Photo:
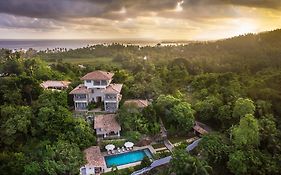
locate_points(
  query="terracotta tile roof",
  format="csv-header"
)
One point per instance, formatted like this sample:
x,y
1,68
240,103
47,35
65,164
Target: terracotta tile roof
x,y
113,88
80,89
98,75
107,123
53,83
137,102
94,157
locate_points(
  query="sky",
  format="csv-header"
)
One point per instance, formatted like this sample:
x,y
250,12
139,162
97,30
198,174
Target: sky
x,y
136,19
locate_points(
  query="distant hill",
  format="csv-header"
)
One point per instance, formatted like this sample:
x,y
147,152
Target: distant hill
x,y
252,52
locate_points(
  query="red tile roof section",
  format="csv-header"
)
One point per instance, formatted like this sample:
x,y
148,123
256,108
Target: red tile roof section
x,y
80,89
107,123
137,102
98,75
113,88
94,157
54,83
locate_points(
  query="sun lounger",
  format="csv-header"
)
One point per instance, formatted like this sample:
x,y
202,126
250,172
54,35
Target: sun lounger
x,y
123,149
119,150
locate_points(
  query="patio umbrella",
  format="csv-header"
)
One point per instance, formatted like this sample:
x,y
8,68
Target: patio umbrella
x,y
109,147
129,144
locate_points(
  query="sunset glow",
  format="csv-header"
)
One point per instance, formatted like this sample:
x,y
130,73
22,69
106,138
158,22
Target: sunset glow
x,y
140,19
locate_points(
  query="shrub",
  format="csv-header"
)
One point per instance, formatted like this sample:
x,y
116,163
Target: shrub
x,y
133,136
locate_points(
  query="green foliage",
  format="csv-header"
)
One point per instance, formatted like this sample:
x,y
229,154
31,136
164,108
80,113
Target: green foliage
x,y
246,134
164,103
114,170
269,133
243,107
183,163
91,106
208,108
133,136
117,143
144,120
132,121
15,124
177,114
237,162
218,78
145,162
53,98
252,162
215,148
183,115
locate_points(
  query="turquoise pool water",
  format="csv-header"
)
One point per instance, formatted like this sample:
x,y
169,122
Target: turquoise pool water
x,y
126,158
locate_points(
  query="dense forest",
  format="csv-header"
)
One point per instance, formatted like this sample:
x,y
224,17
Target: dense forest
x,y
232,85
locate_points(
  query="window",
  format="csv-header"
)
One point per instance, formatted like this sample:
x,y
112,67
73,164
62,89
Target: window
x,y
88,81
96,82
81,105
103,82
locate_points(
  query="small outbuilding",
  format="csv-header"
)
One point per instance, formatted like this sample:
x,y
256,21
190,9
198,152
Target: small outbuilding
x,y
139,103
55,85
107,126
95,161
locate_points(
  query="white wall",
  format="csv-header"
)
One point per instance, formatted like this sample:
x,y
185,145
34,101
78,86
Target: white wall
x,y
89,170
97,93
91,84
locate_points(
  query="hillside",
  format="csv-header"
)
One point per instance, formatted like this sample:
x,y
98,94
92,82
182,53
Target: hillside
x,y
251,52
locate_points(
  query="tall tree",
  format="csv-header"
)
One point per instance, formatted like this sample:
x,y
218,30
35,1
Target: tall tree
x,y
183,163
183,115
242,107
246,134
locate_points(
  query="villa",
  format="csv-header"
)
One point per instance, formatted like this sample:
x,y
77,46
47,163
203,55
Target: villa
x,y
55,85
95,161
137,103
97,88
107,126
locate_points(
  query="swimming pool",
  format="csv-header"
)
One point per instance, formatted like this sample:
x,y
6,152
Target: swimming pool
x,y
126,158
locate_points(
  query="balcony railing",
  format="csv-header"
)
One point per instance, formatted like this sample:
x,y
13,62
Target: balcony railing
x,y
80,97
110,98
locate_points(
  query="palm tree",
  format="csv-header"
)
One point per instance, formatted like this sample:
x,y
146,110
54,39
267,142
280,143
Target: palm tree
x,y
185,164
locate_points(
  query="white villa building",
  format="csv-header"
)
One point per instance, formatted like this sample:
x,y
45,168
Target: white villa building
x,y
97,88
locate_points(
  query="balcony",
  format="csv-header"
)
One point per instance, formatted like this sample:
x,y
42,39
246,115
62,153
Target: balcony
x,y
112,98
110,107
80,97
80,106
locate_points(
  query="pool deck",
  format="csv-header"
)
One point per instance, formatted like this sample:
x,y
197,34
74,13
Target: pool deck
x,y
151,149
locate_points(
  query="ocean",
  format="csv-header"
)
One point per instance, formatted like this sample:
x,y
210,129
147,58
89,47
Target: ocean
x,y
69,44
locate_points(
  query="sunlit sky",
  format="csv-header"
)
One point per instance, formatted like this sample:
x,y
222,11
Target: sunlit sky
x,y
136,19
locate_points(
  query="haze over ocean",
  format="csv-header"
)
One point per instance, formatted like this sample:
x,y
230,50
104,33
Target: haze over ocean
x,y
69,44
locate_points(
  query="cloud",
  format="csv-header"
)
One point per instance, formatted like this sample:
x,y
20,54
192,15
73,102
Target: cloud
x,y
17,22
129,18
108,9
